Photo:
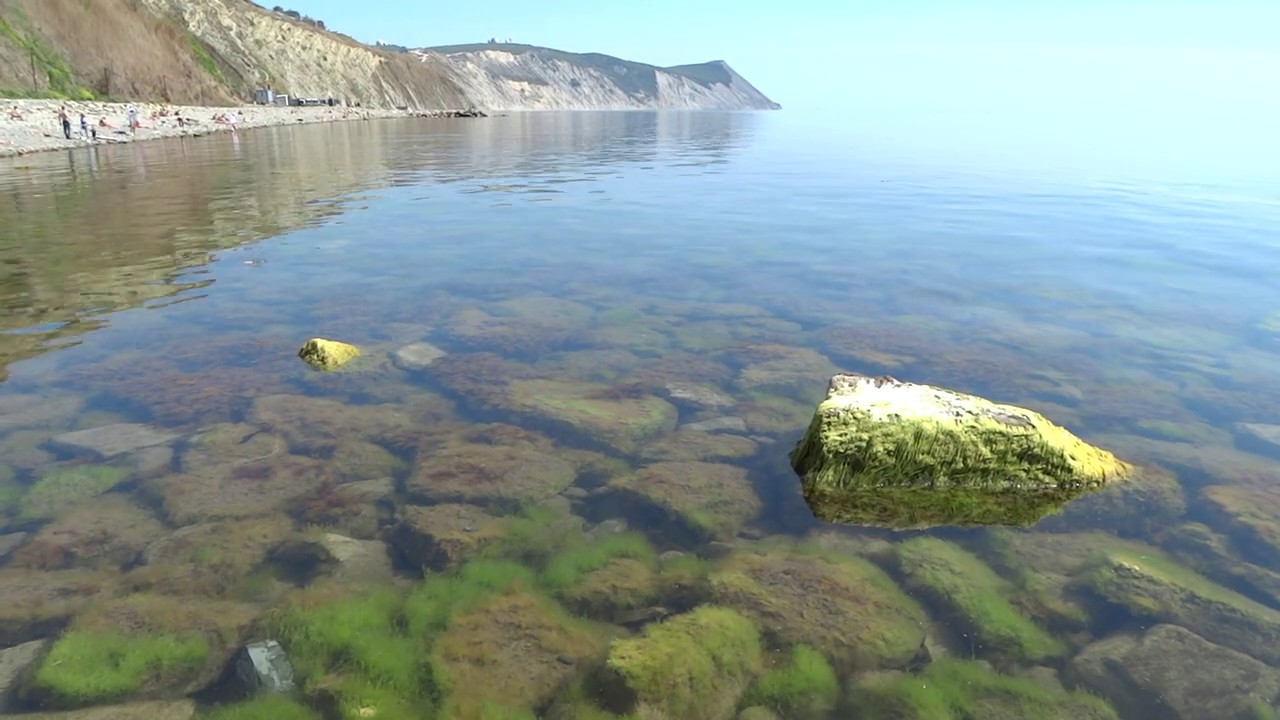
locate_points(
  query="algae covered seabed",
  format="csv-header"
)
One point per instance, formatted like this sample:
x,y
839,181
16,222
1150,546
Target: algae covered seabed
x,y
555,483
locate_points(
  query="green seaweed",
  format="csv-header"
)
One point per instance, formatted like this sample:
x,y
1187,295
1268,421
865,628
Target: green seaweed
x,y
67,486
971,591
266,706
567,568
358,640
86,668
433,603
965,690
806,687
691,666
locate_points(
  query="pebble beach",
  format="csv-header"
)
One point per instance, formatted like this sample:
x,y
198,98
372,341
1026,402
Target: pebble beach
x,y
35,126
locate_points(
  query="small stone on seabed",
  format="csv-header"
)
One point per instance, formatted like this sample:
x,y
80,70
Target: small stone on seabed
x,y
112,440
720,424
417,356
325,354
264,665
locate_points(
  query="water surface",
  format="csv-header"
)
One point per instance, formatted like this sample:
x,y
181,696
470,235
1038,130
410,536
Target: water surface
x,y
574,269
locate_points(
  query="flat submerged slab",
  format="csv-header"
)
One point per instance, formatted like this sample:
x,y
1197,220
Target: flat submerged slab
x,y
884,452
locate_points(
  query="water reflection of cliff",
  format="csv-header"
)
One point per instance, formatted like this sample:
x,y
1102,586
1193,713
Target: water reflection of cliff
x,y
96,230
583,142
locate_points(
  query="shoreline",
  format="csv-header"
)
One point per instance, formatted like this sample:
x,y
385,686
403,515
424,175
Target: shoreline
x,y
39,129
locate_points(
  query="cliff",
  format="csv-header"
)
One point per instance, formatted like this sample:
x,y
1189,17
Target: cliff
x,y
218,51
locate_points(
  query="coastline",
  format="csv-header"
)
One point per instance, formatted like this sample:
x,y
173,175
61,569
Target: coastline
x,y
40,130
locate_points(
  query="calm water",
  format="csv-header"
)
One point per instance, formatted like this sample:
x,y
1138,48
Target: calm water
x,y
575,271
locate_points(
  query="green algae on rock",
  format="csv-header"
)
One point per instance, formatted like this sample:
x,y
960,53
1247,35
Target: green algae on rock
x,y
105,532
883,452
972,593
805,687
845,607
91,668
62,487
442,536
1152,586
323,354
493,465
695,501
524,639
36,604
695,666
600,414
961,690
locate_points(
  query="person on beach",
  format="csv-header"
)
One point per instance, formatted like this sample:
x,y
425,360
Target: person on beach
x,y
132,116
65,120
84,126
14,113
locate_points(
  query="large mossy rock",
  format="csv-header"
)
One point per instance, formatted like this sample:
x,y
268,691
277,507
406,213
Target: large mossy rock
x,y
694,666
1170,672
845,607
883,452
974,595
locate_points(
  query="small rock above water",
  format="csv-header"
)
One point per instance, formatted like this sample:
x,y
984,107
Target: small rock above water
x,y
416,356
263,665
323,354
881,451
109,441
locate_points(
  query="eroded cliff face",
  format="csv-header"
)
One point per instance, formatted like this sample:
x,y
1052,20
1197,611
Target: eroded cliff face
x,y
218,51
514,77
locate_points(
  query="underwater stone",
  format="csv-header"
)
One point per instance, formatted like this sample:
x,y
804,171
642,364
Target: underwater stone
x,y
1153,586
106,532
694,666
65,486
14,662
156,710
881,451
35,604
263,665
11,541
416,356
720,424
599,414
112,440
845,607
1260,437
694,501
697,397
442,536
323,354
491,465
1170,672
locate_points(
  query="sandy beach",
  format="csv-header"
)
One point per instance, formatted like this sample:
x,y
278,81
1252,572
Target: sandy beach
x,y
35,125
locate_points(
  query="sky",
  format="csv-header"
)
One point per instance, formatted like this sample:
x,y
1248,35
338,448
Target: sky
x,y
1133,70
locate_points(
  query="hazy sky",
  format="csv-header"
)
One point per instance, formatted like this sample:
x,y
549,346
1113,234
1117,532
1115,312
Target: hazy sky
x,y
1107,72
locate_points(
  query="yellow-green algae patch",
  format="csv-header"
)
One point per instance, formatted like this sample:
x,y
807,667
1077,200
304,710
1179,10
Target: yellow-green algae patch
x,y
884,452
973,593
952,690
845,607
323,354
694,666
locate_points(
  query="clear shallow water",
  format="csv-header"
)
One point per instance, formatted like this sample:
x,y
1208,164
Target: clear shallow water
x,y
593,260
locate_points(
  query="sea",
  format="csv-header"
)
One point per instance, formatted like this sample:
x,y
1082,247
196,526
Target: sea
x,y
557,482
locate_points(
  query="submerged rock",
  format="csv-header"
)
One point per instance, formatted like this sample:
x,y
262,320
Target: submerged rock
x,y
416,356
219,559
718,425
1148,501
1249,512
14,662
695,666
1215,556
964,689
106,532
514,650
35,604
323,354
156,710
687,501
1170,672
1261,437
263,665
693,445
971,593
442,536
883,452
619,418
696,396
845,607
1152,586
63,487
499,465
112,440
